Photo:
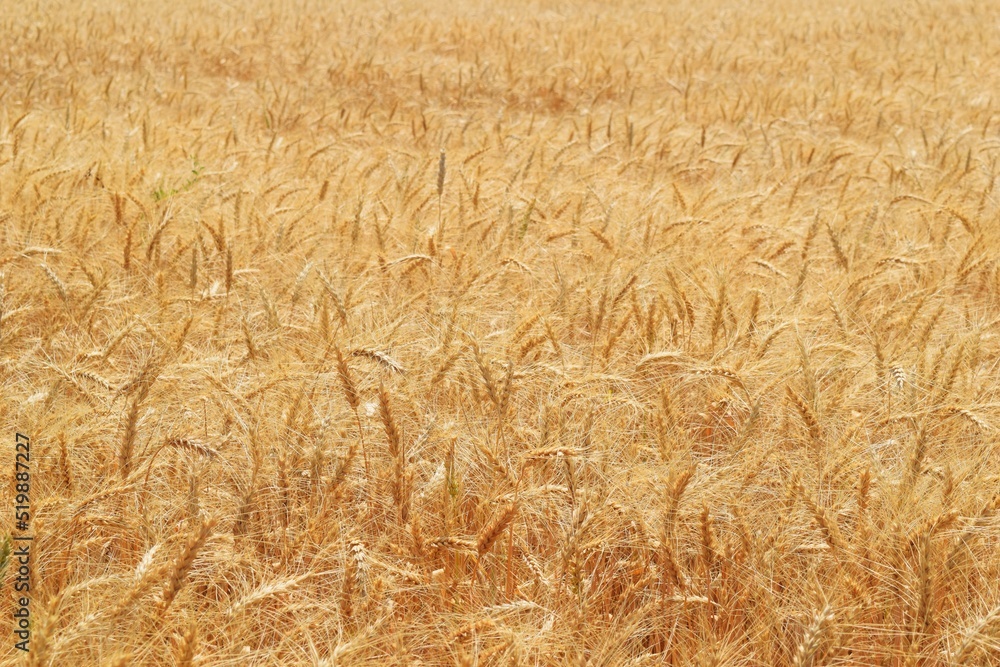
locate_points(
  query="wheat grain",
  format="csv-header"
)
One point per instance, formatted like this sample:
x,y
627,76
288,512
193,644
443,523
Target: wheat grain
x,y
182,563
237,243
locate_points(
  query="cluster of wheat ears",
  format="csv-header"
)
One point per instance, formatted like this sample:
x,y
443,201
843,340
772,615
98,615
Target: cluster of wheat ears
x,y
521,333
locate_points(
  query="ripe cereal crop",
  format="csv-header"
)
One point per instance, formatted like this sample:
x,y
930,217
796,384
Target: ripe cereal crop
x,y
502,333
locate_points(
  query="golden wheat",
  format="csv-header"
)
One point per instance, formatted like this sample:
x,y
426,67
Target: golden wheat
x,y
530,333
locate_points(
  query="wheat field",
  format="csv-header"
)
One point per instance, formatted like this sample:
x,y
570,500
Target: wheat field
x,y
519,333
